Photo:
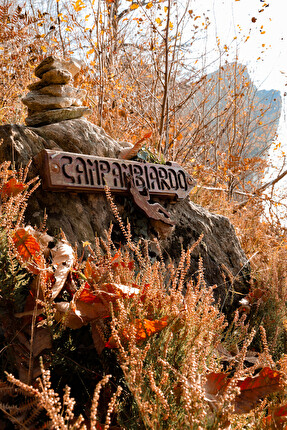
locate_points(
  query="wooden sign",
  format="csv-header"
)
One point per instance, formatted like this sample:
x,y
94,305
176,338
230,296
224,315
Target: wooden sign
x,y
65,171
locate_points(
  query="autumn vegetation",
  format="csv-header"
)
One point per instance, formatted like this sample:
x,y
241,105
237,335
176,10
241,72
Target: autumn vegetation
x,y
111,341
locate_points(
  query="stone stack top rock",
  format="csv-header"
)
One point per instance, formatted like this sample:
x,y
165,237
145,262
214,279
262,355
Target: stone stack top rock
x,y
53,99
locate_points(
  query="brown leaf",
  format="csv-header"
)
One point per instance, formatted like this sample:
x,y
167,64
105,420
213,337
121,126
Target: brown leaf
x,y
42,340
75,315
216,384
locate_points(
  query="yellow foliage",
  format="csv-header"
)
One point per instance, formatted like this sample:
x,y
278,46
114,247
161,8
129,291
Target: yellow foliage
x,y
134,6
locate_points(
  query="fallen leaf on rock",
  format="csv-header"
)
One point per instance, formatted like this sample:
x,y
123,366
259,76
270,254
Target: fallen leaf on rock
x,y
129,153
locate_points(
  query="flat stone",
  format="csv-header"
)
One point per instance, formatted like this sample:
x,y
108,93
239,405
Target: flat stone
x,y
53,76
38,102
35,86
52,62
73,66
58,90
56,76
56,115
63,91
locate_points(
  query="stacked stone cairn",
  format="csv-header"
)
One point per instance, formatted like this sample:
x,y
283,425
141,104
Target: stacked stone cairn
x,y
53,98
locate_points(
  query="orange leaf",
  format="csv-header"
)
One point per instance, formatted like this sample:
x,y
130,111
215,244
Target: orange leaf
x,y
147,328
144,328
12,188
28,249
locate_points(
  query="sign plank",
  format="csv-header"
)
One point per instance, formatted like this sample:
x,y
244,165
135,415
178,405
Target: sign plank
x,y
66,171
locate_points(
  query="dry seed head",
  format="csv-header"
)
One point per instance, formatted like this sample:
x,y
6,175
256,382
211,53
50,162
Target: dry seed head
x,y
95,402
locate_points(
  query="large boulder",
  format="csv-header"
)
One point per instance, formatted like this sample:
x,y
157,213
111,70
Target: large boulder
x,y
83,215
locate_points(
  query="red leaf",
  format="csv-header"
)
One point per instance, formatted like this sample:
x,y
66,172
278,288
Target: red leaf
x,y
276,419
252,389
87,295
131,265
116,261
28,249
12,188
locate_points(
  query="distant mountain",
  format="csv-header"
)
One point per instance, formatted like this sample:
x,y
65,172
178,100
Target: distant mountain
x,y
270,102
258,111
234,123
